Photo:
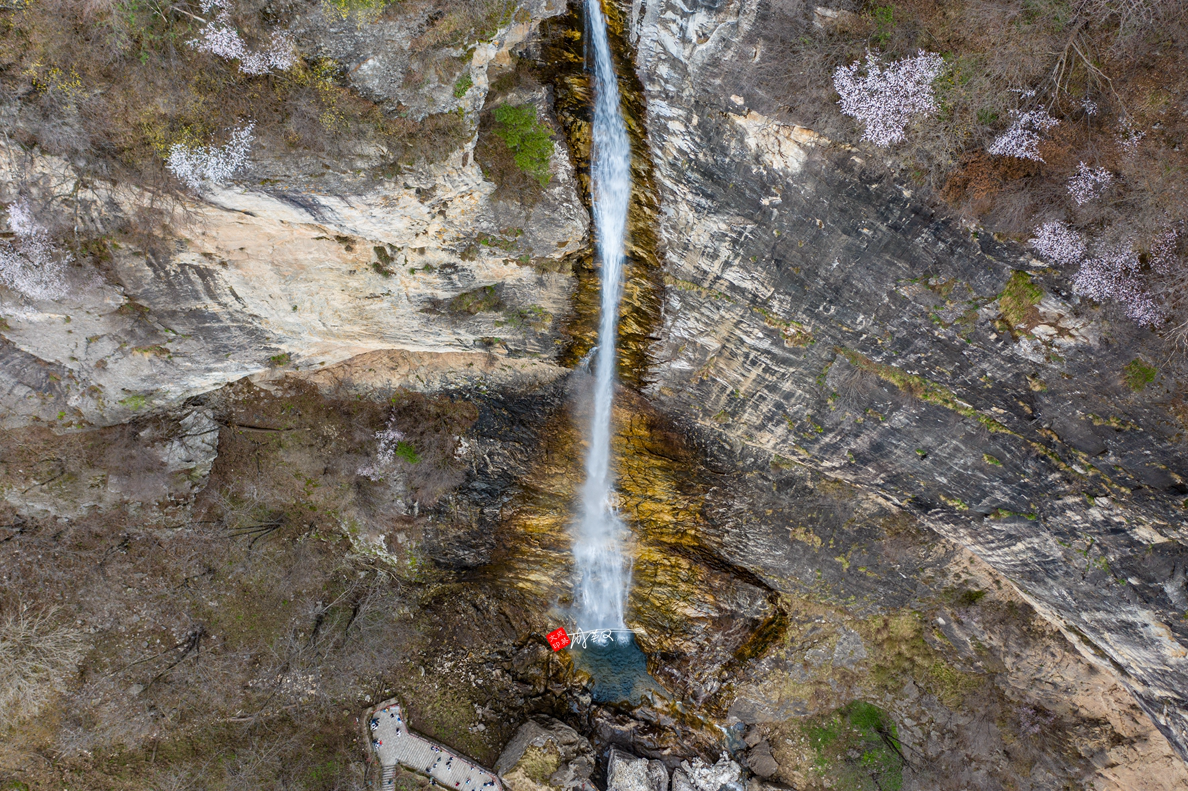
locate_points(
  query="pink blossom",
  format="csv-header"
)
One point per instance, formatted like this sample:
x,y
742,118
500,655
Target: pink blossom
x,y
1116,274
1088,183
888,97
1163,251
1129,136
1022,139
31,265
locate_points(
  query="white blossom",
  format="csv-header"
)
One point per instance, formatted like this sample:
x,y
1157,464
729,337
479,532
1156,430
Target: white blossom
x,y
1163,251
1023,137
278,57
1116,273
219,37
388,439
1058,244
1088,183
887,97
31,265
214,164
1129,136
1089,106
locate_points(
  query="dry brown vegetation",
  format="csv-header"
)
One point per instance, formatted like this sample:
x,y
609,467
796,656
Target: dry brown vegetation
x,y
1093,64
234,645
116,84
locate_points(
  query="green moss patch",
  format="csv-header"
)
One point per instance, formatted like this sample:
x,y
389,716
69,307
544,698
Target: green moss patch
x,y
1138,374
1018,300
923,389
479,300
539,763
857,748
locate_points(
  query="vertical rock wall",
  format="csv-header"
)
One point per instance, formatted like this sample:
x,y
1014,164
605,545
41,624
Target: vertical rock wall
x,y
821,314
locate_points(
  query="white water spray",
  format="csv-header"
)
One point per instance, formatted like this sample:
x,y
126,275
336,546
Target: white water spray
x,y
598,549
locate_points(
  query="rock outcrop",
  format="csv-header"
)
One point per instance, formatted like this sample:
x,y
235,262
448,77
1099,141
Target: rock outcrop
x,y
547,755
819,313
301,265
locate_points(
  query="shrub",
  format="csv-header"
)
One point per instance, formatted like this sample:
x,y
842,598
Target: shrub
x,y
887,97
213,164
220,38
31,265
530,141
464,84
390,445
36,660
1058,244
1088,183
480,300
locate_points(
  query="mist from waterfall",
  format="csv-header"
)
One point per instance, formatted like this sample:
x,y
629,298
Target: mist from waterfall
x,y
602,571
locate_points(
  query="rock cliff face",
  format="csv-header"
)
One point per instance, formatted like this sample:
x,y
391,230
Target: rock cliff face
x,y
816,312
309,264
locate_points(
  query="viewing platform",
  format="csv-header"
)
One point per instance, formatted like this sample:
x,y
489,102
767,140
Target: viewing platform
x,y
396,745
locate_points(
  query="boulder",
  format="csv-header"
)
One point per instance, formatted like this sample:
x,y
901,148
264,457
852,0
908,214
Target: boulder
x,y
760,760
546,755
725,775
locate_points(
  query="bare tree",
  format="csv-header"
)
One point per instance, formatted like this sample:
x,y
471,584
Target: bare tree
x,y
37,658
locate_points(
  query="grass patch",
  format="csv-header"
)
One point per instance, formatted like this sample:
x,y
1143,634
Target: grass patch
x,y
1018,300
484,299
406,451
1138,374
901,652
857,748
529,140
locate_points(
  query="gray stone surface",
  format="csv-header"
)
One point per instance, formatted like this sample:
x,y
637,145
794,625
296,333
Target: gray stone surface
x,y
819,313
395,743
626,772
575,758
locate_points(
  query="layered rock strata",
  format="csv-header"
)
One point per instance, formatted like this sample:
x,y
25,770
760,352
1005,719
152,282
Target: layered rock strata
x,y
818,312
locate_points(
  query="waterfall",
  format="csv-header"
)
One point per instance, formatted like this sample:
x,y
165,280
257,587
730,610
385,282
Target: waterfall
x,y
598,547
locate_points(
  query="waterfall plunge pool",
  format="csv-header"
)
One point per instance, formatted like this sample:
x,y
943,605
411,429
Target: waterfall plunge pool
x,y
619,669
